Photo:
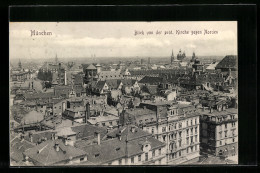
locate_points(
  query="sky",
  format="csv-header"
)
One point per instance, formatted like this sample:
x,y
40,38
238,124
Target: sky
x,y
118,39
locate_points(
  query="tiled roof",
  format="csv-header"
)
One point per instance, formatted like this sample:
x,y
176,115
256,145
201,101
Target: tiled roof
x,y
45,153
113,83
33,117
229,61
17,147
113,149
91,67
87,131
151,80
28,96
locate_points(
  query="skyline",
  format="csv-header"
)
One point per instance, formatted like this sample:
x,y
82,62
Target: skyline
x,y
117,39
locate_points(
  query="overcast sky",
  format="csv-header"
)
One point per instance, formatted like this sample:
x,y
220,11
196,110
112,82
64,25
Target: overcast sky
x,y
109,39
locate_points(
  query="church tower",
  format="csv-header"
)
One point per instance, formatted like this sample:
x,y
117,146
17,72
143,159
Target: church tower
x,y
172,57
20,64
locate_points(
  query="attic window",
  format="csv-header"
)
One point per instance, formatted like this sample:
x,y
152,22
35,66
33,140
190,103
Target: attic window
x,y
96,155
117,149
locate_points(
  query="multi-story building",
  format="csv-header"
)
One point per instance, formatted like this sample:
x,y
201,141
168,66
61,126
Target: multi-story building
x,y
177,125
219,132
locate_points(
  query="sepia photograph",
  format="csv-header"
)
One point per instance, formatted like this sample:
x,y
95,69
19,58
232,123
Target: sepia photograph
x,y
123,93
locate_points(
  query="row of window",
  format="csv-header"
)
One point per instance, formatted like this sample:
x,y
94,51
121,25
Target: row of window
x,y
233,140
140,157
110,123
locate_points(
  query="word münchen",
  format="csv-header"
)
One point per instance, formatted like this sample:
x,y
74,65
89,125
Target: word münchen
x,y
36,33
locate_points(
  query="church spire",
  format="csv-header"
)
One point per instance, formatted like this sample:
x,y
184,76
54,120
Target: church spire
x,y
20,64
56,59
172,57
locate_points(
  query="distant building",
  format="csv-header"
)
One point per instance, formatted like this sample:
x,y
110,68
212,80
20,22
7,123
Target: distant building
x,y
180,55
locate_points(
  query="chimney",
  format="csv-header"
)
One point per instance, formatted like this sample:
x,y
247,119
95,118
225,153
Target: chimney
x,y
211,110
30,137
56,146
87,113
53,136
66,140
98,137
133,129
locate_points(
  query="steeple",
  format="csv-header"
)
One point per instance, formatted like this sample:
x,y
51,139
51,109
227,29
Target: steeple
x,y
172,57
20,64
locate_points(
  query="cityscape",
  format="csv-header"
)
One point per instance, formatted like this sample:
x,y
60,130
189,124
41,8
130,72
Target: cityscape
x,y
175,109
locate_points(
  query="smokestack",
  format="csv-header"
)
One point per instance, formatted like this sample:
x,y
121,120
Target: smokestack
x,y
87,113
65,77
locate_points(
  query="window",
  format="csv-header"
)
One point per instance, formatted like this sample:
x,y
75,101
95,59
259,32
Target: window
x,y
191,139
180,153
110,163
160,151
146,156
139,158
132,159
220,142
196,130
187,123
103,124
96,155
163,129
180,134
187,140
81,159
180,143
152,130
191,122
187,149
187,132
196,147
196,138
225,125
191,148
195,121
220,134
233,139
120,161
153,153
191,131
225,133
110,123
180,125
175,126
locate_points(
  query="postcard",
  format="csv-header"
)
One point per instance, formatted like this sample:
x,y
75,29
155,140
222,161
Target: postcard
x,y
123,93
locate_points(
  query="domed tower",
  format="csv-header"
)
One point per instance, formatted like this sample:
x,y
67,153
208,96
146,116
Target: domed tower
x,y
91,72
